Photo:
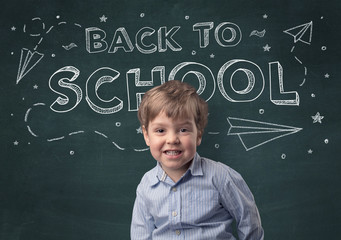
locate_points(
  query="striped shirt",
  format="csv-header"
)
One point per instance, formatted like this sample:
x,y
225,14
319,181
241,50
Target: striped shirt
x,y
201,205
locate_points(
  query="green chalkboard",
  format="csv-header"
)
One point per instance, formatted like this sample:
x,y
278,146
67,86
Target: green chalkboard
x,y
74,72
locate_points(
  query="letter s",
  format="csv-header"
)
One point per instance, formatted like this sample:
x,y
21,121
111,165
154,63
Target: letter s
x,y
70,94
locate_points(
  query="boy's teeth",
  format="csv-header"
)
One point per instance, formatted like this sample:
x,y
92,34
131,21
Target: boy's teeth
x,y
172,152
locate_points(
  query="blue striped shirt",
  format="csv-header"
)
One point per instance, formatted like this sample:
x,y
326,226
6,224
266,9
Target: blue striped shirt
x,y
201,205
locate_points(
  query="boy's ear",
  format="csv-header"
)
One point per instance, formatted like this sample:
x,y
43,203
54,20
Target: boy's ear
x,y
145,135
199,138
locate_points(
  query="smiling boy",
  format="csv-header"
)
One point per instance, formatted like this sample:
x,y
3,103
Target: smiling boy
x,y
187,196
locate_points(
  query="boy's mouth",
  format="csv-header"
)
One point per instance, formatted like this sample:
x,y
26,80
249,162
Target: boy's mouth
x,y
172,152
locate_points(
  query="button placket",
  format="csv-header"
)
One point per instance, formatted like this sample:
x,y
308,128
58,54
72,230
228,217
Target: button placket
x,y
175,208
174,213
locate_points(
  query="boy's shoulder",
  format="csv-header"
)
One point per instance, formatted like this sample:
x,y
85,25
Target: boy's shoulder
x,y
218,169
208,163
150,177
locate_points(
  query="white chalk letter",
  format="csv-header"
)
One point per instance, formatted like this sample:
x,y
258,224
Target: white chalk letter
x,y
140,45
280,98
195,74
166,39
234,33
71,94
204,32
134,83
234,73
121,40
102,76
94,38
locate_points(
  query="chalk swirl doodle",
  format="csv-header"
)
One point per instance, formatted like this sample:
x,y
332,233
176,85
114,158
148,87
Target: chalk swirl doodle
x,y
257,33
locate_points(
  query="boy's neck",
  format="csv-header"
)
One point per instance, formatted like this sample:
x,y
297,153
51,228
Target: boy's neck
x,y
176,175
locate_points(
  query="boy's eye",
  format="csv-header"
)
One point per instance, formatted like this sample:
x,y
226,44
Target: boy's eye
x,y
160,130
183,130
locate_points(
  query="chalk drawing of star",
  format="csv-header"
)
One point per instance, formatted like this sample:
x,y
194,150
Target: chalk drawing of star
x,y
139,130
16,143
265,16
13,28
103,18
212,55
317,118
326,75
35,86
266,48
310,151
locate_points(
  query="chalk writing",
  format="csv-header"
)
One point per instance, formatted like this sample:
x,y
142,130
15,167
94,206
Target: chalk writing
x,y
149,40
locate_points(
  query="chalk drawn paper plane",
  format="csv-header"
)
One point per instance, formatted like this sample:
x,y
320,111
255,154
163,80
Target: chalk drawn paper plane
x,y
28,60
253,134
302,33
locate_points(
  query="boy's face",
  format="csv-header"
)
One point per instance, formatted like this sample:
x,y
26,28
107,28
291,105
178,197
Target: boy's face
x,y
172,142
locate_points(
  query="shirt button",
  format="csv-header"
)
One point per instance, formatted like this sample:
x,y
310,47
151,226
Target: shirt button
x,y
174,213
174,189
178,232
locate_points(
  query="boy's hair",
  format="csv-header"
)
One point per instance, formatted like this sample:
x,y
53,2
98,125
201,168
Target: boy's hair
x,y
177,100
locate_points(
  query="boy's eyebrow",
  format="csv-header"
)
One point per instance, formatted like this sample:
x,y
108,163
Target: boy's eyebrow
x,y
187,122
161,123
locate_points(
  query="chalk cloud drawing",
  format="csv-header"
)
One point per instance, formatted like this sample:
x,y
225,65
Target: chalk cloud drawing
x,y
253,134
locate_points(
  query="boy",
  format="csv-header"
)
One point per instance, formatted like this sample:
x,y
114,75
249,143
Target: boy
x,y
187,196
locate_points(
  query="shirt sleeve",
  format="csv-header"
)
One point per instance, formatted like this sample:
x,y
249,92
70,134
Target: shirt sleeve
x,y
142,224
239,202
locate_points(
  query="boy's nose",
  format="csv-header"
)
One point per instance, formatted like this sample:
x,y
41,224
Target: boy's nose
x,y
172,138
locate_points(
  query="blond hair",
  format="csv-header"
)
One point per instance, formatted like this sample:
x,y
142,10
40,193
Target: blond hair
x,y
177,100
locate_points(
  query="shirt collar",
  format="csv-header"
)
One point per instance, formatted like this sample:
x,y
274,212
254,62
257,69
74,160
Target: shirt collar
x,y
194,169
